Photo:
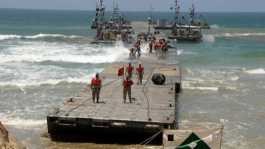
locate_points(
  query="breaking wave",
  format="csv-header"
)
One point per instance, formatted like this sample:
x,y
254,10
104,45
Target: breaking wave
x,y
211,80
180,52
23,75
35,63
208,38
58,52
8,37
39,36
24,83
256,71
96,59
23,123
209,85
239,34
214,26
201,88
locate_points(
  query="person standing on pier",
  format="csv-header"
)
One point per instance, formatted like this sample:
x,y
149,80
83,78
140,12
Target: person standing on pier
x,y
151,44
151,47
140,74
129,70
127,89
138,48
95,87
164,47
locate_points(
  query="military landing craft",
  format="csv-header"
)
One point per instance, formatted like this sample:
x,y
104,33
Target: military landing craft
x,y
113,29
181,28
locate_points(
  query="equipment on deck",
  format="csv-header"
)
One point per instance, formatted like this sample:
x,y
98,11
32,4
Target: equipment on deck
x,y
158,79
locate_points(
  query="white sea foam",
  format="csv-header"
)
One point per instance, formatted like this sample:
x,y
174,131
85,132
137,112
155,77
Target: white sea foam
x,y
21,83
43,51
18,122
17,71
258,71
145,48
23,123
211,80
25,74
208,38
180,52
201,88
51,35
234,78
192,85
185,52
214,26
239,34
38,36
7,37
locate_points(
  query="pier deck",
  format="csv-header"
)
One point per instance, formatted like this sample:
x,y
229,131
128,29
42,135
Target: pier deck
x,y
153,107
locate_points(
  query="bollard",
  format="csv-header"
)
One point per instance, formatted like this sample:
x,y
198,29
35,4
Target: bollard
x,y
177,88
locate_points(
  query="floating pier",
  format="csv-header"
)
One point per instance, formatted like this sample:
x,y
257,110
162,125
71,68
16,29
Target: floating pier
x,y
154,107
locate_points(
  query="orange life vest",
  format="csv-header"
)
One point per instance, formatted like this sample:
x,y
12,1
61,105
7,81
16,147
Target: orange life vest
x,y
129,69
96,82
127,83
140,70
158,45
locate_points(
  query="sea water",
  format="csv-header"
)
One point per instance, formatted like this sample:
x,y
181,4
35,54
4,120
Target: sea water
x,y
45,57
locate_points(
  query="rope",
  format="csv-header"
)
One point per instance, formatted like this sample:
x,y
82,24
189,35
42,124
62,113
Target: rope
x,y
148,140
189,145
145,94
74,108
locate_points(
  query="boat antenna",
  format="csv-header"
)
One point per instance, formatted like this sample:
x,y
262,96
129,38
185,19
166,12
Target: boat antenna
x,y
99,19
151,12
97,12
192,12
116,12
100,11
177,12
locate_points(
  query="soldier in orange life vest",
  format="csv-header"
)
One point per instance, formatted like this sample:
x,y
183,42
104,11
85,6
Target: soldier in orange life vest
x,y
95,87
129,70
164,47
127,89
140,73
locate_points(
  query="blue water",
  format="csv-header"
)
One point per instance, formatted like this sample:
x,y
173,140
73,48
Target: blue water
x,y
43,21
45,56
76,22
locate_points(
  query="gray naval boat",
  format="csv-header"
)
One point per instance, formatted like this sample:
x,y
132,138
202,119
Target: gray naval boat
x,y
182,28
110,30
186,33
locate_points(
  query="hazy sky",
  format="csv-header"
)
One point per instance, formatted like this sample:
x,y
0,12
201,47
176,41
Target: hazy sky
x,y
135,5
